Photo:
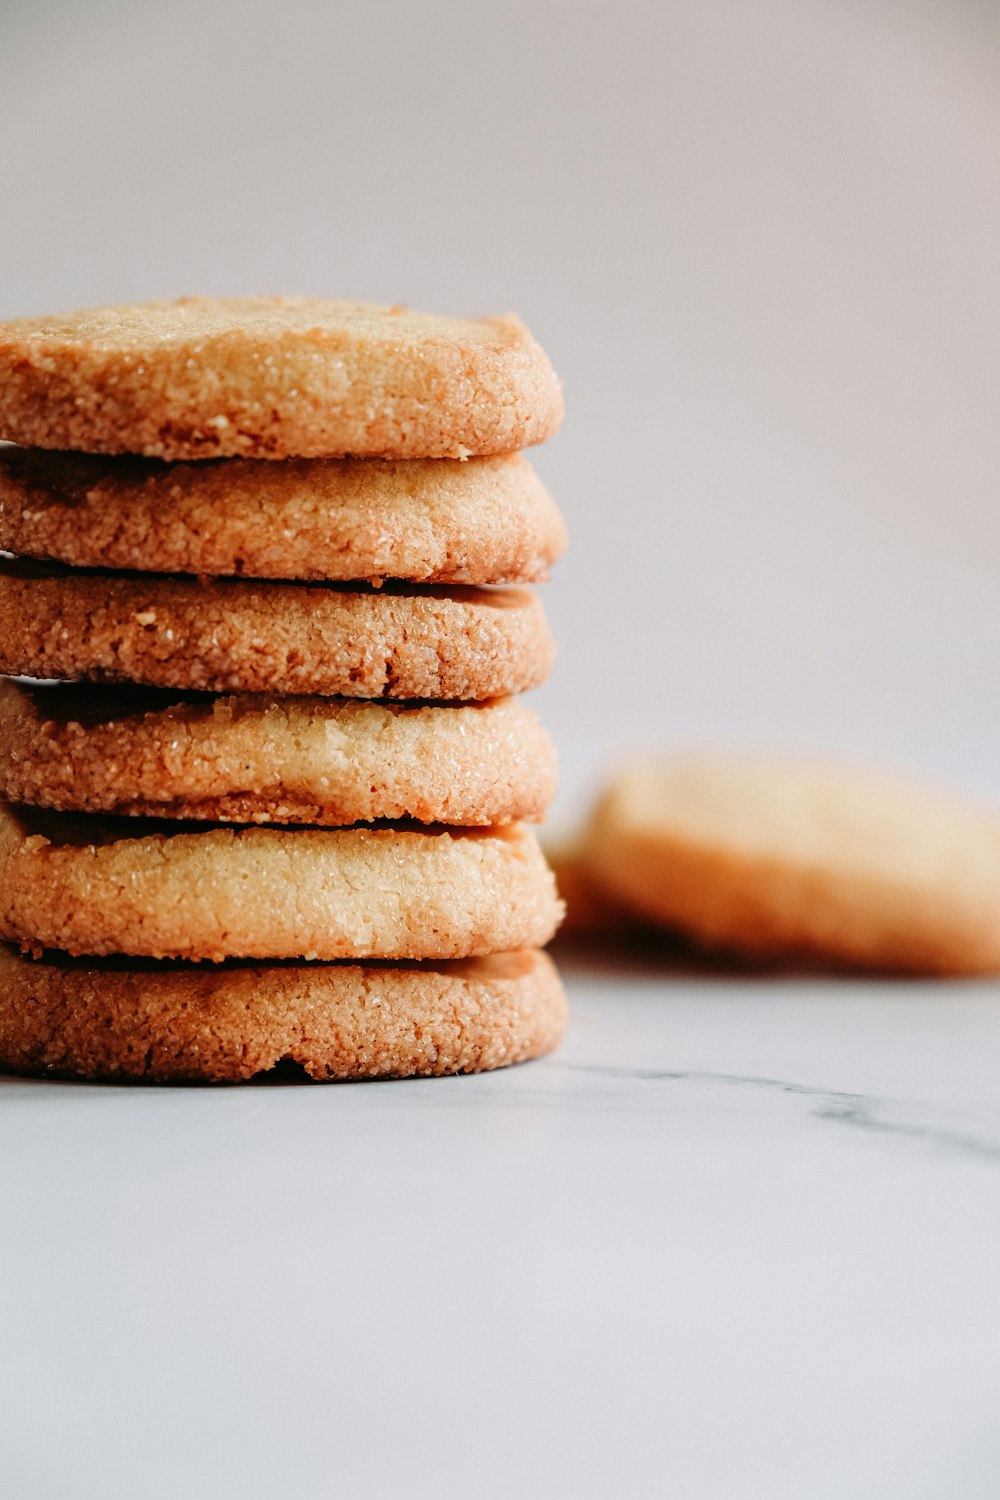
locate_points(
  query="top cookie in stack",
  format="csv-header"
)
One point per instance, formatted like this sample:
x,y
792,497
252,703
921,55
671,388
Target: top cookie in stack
x,y
335,551
275,377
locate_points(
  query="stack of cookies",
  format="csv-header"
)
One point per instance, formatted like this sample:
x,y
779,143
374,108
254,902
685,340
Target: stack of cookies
x,y
268,804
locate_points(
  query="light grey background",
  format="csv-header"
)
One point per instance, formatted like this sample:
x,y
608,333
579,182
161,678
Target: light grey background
x,y
760,241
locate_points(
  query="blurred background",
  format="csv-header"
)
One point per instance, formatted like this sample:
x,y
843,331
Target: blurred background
x,y
759,239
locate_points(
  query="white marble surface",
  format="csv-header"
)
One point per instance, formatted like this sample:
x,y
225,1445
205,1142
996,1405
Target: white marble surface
x,y
737,1239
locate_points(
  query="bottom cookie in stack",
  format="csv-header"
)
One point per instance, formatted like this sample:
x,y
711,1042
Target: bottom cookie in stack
x,y
163,1022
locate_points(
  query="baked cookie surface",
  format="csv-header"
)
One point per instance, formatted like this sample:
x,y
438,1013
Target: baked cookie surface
x,y
231,635
85,884
163,1023
271,759
274,377
779,858
590,911
489,520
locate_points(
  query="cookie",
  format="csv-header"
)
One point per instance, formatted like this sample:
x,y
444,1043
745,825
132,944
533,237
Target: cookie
x,y
274,377
173,1023
590,911
86,884
270,759
233,636
490,520
774,858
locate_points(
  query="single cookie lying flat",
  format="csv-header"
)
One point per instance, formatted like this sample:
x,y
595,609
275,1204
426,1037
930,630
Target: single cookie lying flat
x,y
94,885
228,635
272,760
171,1023
274,377
490,520
774,858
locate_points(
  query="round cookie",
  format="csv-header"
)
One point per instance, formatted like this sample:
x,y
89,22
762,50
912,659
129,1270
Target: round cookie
x,y
173,1023
274,377
230,635
490,520
272,759
774,858
86,884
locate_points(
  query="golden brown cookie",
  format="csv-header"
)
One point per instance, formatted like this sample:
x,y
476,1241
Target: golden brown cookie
x,y
174,1023
490,520
230,635
274,377
591,913
272,759
779,857
102,885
